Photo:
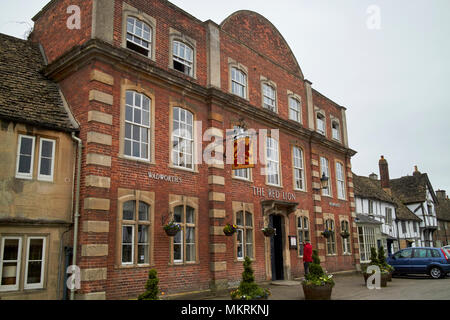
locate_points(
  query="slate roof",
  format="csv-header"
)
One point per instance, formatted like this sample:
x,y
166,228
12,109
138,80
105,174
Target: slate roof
x,y
411,189
26,96
443,209
368,188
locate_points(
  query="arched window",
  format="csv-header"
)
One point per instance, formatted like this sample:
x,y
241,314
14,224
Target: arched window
x,y
320,121
244,235
137,126
183,138
299,173
335,130
269,97
303,233
135,233
331,240
238,82
295,109
345,241
139,36
183,57
184,240
273,162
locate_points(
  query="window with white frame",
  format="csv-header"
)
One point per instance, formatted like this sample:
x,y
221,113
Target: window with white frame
x,y
238,82
135,233
269,97
139,36
137,126
183,138
295,109
340,181
345,227
299,172
335,131
183,58
241,173
273,162
367,240
320,123
302,233
25,157
325,169
388,216
184,240
331,240
46,159
35,263
370,206
11,252
244,235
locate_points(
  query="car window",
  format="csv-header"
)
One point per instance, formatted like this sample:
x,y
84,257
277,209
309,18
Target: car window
x,y
404,254
435,253
421,253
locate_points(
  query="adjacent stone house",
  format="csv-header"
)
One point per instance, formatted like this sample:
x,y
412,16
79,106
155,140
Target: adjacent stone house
x,y
36,176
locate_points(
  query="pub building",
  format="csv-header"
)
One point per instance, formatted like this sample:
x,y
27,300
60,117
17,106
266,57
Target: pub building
x,y
145,81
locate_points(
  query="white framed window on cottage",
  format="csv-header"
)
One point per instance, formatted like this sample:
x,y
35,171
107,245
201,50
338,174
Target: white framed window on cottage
x,y
35,263
137,126
10,264
25,157
139,36
46,159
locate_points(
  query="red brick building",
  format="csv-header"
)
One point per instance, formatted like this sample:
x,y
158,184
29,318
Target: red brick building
x,y
137,70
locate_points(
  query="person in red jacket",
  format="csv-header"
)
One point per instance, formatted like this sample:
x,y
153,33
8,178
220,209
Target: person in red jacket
x,y
307,256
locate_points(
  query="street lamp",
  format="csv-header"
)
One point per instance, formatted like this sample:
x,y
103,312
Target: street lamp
x,y
324,181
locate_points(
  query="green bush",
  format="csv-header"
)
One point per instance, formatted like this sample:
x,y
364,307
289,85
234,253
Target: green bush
x,y
248,289
152,290
316,275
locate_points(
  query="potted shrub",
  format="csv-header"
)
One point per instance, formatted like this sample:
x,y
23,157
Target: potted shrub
x,y
383,263
268,231
229,229
152,290
317,285
327,233
248,289
172,228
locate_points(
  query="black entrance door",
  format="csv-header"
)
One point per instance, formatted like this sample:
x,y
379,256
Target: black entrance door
x,y
276,248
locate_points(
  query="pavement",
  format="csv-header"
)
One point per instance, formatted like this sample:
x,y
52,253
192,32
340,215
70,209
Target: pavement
x,y
352,287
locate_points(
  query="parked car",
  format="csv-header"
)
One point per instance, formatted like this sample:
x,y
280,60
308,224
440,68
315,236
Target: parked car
x,y
421,260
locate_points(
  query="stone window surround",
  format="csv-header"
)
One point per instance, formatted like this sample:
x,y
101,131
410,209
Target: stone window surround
x,y
128,10
302,214
349,239
270,83
292,95
321,112
333,119
330,183
128,85
23,258
234,64
328,217
246,208
305,185
280,167
343,177
175,35
147,197
193,202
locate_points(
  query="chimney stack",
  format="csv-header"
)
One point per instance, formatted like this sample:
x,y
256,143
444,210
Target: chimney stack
x,y
384,175
416,172
440,194
373,176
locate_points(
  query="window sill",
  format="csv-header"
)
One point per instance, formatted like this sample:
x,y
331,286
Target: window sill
x,y
171,166
274,186
242,179
149,162
24,177
183,264
134,266
139,54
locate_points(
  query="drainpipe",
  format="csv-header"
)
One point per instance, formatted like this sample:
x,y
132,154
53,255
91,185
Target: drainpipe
x,y
77,207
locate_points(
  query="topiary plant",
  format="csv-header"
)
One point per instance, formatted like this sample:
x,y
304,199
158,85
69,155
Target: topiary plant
x,y
152,290
373,256
316,275
248,289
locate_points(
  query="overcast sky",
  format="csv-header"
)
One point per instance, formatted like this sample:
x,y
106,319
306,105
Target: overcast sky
x,y
394,81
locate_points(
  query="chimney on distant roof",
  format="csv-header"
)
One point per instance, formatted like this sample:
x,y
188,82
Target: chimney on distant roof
x,y
373,176
416,172
384,175
440,194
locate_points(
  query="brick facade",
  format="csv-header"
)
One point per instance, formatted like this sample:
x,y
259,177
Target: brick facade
x,y
93,75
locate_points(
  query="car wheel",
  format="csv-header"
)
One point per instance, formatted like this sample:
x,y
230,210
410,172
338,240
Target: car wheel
x,y
435,272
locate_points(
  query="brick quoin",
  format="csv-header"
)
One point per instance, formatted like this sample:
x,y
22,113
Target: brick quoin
x,y
245,38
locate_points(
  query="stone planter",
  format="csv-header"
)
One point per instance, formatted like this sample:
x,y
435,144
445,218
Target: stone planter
x,y
313,292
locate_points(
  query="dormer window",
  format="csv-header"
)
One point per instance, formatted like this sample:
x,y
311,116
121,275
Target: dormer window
x,y
335,130
269,98
183,58
139,36
320,120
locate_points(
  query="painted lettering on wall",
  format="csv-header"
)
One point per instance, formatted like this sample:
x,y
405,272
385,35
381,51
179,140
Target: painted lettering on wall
x,y
272,194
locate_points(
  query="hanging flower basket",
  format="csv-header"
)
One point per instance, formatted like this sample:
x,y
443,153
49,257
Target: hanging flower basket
x,y
327,233
345,234
268,231
229,229
172,228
